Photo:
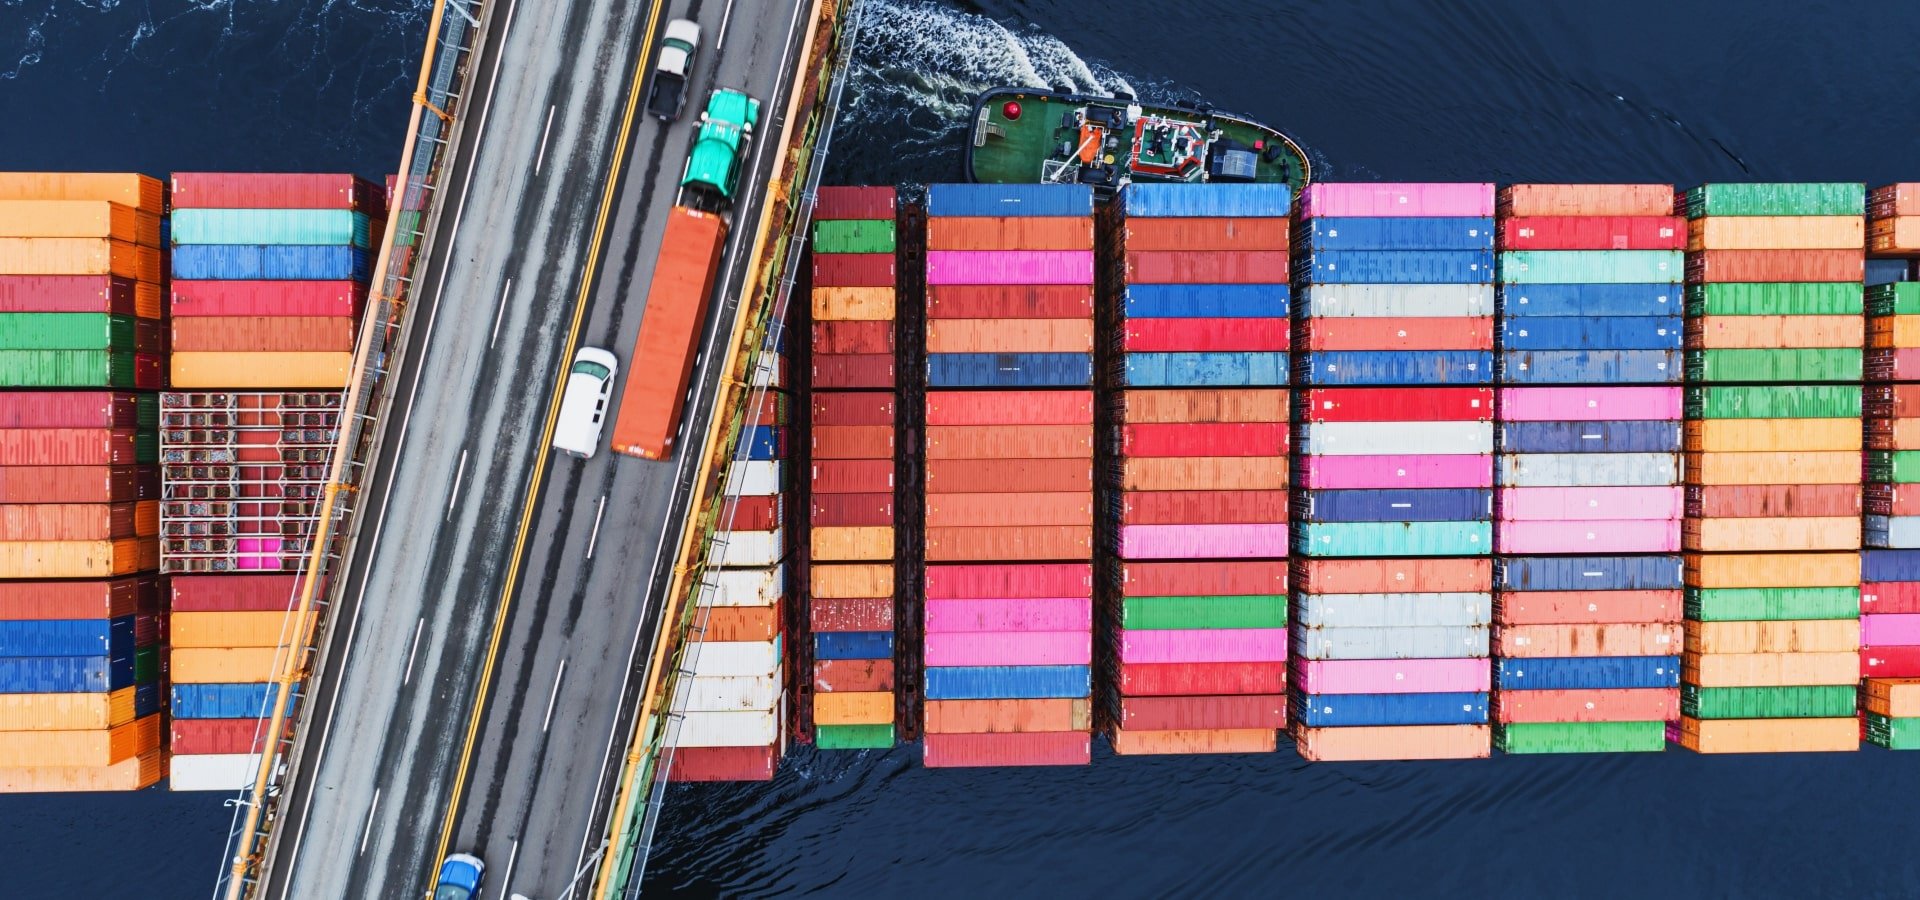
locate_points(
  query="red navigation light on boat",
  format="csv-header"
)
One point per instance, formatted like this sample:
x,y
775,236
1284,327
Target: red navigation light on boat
x,y
1011,110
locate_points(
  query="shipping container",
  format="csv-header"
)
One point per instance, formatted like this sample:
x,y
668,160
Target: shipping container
x,y
1205,301
1394,471
1776,265
1770,735
1643,436
852,337
840,202
1194,541
1776,233
1007,716
1454,333
1609,639
1587,672
1392,199
1587,705
79,219
648,417
1593,299
853,235
1053,508
1215,611
1351,710
1140,200
1373,438
1222,233
1146,714
1591,504
1586,200
79,293
1398,267
235,370
1009,336
853,675
1374,576
1007,682
1592,266
324,299
1394,233
1190,679
281,262
1438,642
1775,199
1011,301
1007,370
1394,610
275,190
1000,267
1390,301
1770,332
1203,507
142,192
1012,233
1052,748
270,227
944,200
852,303
1590,232
1020,648
853,270
1000,580
1597,333
276,334
1209,267
1354,744
1432,367
1206,335
1022,542
1393,676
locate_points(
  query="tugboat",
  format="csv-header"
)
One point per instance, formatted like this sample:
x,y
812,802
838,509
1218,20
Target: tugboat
x,y
1024,136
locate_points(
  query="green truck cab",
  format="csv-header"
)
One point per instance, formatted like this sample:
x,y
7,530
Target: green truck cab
x,y
720,144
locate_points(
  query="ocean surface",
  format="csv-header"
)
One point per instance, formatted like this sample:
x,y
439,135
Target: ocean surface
x,y
1482,90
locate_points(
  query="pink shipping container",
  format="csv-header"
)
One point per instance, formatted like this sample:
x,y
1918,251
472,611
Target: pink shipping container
x,y
267,298
1012,648
1591,503
1393,676
1399,471
1203,541
1010,267
273,190
1586,538
1034,748
1388,199
1204,645
1009,408
947,582
68,409
68,447
79,293
1009,615
1590,404
1897,630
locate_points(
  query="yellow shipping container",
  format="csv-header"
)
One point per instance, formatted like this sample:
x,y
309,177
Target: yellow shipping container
x,y
142,192
1769,669
79,219
19,749
77,559
1773,435
66,712
1895,698
1777,233
1801,636
222,665
1762,570
851,581
1769,735
853,708
865,542
231,629
1773,332
845,304
143,771
1769,467
78,256
1224,473
1778,534
261,370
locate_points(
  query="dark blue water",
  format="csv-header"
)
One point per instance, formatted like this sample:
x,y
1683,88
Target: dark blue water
x,y
1408,90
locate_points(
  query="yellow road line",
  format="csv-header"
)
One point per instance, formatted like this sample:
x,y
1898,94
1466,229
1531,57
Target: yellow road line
x,y
546,433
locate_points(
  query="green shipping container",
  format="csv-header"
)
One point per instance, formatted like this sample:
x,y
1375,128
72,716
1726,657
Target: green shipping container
x,y
74,331
853,236
1175,613
146,660
1841,364
1741,199
1822,702
1795,298
1348,539
1899,298
1581,737
853,737
1793,402
1591,266
1894,734
66,368
146,410
1893,466
309,227
1779,604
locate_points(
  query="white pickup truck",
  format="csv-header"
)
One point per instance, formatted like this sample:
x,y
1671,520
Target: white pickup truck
x,y
674,67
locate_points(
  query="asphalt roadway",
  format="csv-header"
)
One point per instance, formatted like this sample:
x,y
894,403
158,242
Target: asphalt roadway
x,y
388,774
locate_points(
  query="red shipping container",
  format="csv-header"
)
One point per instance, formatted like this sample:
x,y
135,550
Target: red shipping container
x,y
1716,266
1431,333
854,203
1586,200
852,442
1226,233
235,593
1600,705
97,599
274,190
1250,578
1587,607
1889,597
69,409
852,371
1207,267
149,371
853,476
759,513
79,294
770,409
851,510
78,484
853,270
865,336
1008,442
1888,365
1183,713
67,447
267,298
1002,581
205,737
1226,439
1033,748
1203,507
1752,501
265,334
1007,476
852,408
1190,679
1206,335
1427,404
1009,301
1890,662
1594,233
852,675
1392,576
851,614
723,764
1892,401
1009,408
1881,499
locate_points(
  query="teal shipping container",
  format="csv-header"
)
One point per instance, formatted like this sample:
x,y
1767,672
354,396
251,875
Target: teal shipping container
x,y
1349,539
308,227
77,331
1843,364
1741,199
1592,266
79,368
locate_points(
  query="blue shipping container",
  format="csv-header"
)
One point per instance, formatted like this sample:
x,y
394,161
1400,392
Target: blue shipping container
x,y
1397,267
1009,370
1891,531
67,637
146,699
249,262
1890,565
1008,682
1335,710
853,645
1419,505
1530,300
222,701
1206,200
1396,233
1586,673
1349,539
1588,573
763,442
1592,367
1206,301
65,674
952,200
1394,367
1220,369
1593,333
1635,436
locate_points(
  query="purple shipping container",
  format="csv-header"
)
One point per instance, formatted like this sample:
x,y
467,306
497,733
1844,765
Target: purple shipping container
x,y
1589,538
1393,676
1902,630
1204,645
1017,648
1589,404
1010,267
1203,541
1009,615
1375,199
1398,471
1549,504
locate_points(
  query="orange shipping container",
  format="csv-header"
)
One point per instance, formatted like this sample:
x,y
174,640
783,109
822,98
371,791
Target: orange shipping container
x,y
1052,508
1009,442
234,370
1209,234
1776,233
1237,473
1010,233
1797,636
20,749
1712,266
1755,435
1769,735
845,582
78,256
1621,639
1792,467
1896,236
274,334
1893,332
232,629
1382,742
79,521
1895,434
852,543
853,304
1008,476
1783,534
79,219
1029,542
141,772
1769,669
143,192
1895,698
1769,570
852,442
77,559
222,665
853,708
1586,200
1589,607
66,712
1222,740
1394,576
1774,332
1009,335
1222,405
737,624
1006,716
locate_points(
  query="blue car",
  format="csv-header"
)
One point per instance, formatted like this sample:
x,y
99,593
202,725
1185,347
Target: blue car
x,y
459,878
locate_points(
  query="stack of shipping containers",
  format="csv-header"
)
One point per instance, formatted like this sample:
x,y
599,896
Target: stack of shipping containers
x,y
1589,609
1775,275
1890,569
1009,475
853,412
1194,584
80,657
1392,525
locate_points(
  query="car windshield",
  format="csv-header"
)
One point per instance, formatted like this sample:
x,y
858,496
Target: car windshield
x,y
451,892
593,369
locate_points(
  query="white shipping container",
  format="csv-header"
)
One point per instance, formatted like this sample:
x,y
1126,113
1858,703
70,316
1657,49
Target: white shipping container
x,y
1588,469
744,587
213,772
1399,610
726,729
1390,438
1442,642
712,659
766,371
1901,532
753,478
727,693
746,549
1393,301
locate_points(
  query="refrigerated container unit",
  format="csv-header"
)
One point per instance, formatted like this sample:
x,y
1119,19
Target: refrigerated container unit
x,y
242,478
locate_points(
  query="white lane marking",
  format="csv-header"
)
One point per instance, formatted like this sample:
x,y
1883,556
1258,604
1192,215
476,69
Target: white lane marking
x,y
386,499
366,831
506,881
500,315
544,134
724,17
595,537
417,629
553,697
458,474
